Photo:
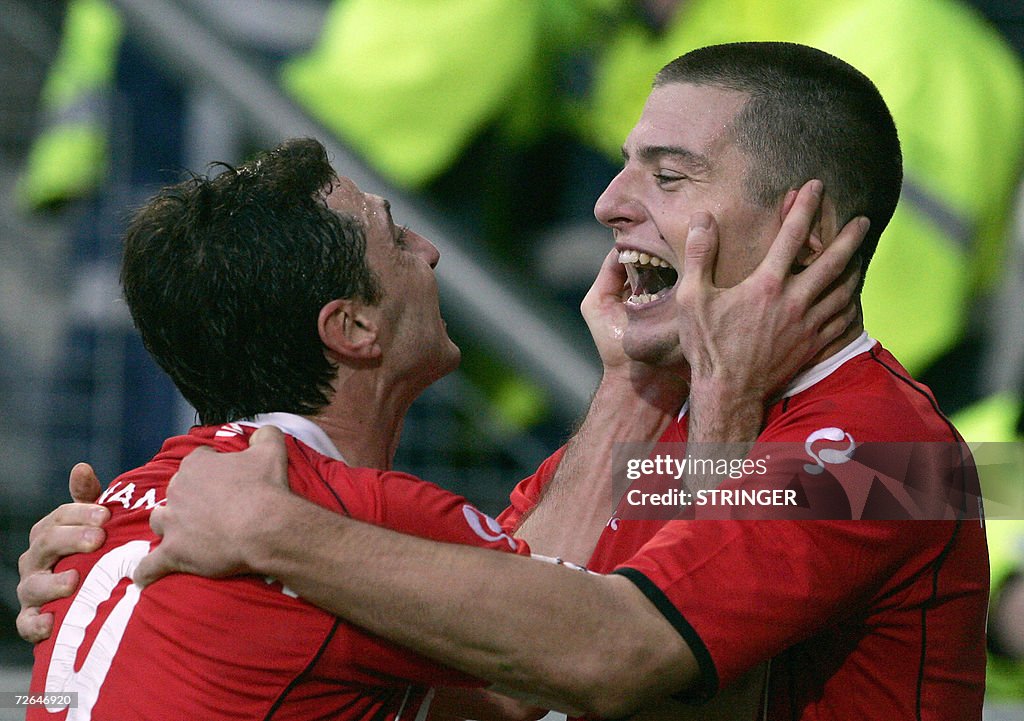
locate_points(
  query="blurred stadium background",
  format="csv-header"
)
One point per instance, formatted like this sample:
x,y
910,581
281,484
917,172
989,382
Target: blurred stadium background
x,y
102,101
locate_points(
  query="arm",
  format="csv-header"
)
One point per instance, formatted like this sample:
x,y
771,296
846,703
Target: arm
x,y
569,639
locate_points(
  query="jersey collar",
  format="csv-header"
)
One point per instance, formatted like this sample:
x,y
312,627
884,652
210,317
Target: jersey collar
x,y
817,373
299,427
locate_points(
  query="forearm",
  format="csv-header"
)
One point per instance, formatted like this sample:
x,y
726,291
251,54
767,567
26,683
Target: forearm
x,y
578,501
569,639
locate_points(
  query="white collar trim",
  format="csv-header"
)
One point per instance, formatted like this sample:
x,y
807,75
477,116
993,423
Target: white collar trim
x,y
821,371
301,428
818,373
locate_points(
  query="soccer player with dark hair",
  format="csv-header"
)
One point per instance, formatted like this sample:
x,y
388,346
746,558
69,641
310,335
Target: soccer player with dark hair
x,y
273,293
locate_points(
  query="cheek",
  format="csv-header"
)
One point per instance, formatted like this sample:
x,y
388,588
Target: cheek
x,y
673,225
748,231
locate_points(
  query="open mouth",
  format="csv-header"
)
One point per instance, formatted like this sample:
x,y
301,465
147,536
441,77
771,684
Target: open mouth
x,y
650,277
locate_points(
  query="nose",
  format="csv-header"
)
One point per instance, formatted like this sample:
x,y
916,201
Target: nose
x,y
618,205
426,250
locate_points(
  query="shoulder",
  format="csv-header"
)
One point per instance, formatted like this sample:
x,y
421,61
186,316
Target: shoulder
x,y
871,396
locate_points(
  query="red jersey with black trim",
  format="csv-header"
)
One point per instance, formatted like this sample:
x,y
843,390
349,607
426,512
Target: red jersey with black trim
x,y
859,619
187,647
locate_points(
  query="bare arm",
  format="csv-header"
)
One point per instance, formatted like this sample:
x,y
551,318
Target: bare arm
x,y
568,639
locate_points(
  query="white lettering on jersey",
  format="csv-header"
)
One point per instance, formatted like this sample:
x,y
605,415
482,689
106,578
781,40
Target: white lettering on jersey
x,y
229,430
123,495
485,526
833,456
118,493
107,493
98,586
148,499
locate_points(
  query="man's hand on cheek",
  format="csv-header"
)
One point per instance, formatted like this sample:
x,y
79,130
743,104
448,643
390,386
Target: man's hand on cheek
x,y
606,318
605,314
218,506
754,337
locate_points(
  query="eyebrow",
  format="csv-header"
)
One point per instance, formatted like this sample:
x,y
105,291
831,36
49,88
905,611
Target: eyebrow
x,y
651,153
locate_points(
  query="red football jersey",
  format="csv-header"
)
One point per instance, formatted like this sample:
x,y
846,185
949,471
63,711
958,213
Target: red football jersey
x,y
242,648
860,619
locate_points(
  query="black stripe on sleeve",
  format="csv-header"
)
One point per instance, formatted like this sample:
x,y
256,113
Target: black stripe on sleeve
x,y
707,682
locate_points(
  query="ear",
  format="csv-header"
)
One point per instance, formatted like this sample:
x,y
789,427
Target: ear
x,y
349,330
823,230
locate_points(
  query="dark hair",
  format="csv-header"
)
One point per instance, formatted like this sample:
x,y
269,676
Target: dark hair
x,y
809,115
225,277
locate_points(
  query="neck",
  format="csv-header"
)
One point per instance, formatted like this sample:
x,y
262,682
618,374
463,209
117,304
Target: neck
x,y
364,419
847,337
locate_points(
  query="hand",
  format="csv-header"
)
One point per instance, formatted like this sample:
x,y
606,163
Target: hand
x,y
752,338
217,503
606,318
603,310
71,528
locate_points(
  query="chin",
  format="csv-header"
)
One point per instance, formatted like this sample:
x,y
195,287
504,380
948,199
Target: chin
x,y
447,361
455,358
653,350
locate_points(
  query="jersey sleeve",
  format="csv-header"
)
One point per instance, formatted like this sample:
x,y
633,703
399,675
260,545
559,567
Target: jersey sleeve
x,y
528,491
406,504
741,592
411,505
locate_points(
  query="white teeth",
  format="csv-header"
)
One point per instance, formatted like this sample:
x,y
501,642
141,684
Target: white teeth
x,y
634,256
645,298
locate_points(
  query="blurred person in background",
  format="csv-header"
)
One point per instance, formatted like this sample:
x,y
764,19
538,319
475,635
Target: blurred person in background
x,y
458,88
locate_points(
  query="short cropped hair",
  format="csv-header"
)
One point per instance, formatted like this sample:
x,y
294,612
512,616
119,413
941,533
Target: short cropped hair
x,y
809,115
225,277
